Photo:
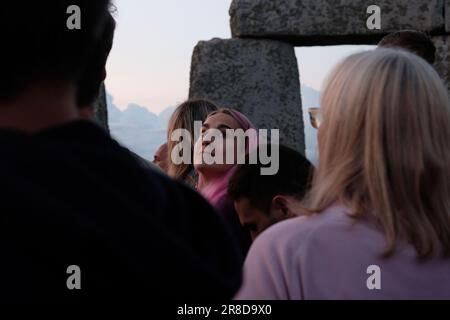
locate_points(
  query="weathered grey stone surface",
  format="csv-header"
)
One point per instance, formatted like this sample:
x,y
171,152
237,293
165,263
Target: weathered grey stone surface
x,y
100,110
447,15
442,64
314,22
257,77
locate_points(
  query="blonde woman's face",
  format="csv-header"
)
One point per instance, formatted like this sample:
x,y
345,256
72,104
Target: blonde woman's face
x,y
209,145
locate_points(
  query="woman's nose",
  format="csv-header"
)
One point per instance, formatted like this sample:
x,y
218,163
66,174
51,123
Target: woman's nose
x,y
205,143
206,139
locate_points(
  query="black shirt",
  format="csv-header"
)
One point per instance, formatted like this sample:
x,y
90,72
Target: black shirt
x,y
73,196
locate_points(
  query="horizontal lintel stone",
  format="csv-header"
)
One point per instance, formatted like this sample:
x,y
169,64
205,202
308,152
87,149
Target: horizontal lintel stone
x,y
322,22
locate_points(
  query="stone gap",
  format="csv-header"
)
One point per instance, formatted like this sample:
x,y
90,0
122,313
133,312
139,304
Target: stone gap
x,y
256,72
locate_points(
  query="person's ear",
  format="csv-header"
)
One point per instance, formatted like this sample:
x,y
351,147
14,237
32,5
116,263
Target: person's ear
x,y
280,206
86,113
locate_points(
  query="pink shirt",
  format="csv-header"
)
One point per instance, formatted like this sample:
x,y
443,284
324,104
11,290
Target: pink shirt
x,y
327,256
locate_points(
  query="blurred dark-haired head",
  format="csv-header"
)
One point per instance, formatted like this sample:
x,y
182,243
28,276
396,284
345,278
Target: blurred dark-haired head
x,y
262,200
95,72
38,45
414,41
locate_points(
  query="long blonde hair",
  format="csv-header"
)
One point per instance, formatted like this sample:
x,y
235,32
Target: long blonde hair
x,y
384,148
183,118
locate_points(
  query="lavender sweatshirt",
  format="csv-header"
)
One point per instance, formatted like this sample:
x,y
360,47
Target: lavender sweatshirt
x,y
332,256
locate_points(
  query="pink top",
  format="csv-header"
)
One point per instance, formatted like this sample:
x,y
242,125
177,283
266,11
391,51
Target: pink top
x,y
327,256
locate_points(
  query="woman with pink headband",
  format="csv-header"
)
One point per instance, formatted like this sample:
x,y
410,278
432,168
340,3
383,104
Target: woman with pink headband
x,y
213,178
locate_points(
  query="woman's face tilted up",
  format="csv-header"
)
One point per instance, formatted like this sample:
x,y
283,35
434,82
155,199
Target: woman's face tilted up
x,y
210,146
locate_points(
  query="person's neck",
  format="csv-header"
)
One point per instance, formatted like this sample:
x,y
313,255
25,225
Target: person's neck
x,y
208,179
40,107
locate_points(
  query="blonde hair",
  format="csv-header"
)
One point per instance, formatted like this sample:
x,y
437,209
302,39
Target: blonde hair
x,y
183,118
384,148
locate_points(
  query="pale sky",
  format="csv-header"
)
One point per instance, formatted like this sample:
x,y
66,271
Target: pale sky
x,y
150,61
315,63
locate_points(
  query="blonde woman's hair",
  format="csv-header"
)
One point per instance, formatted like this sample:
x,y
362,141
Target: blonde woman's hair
x,y
183,118
384,148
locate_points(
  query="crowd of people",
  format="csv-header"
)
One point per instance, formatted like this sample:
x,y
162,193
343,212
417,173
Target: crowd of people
x,y
71,195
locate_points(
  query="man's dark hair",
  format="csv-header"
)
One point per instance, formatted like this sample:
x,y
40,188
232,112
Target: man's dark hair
x,y
292,179
90,82
38,45
414,41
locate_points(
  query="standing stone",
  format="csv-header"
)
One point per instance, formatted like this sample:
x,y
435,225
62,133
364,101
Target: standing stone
x,y
100,109
442,64
257,77
321,22
447,15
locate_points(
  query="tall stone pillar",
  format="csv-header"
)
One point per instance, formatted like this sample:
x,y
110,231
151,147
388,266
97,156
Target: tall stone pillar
x,y
257,77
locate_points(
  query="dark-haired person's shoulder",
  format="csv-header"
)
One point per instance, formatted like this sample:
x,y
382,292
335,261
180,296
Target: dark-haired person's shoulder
x,y
91,147
76,196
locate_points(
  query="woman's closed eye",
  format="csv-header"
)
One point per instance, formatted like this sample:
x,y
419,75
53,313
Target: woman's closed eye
x,y
223,132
